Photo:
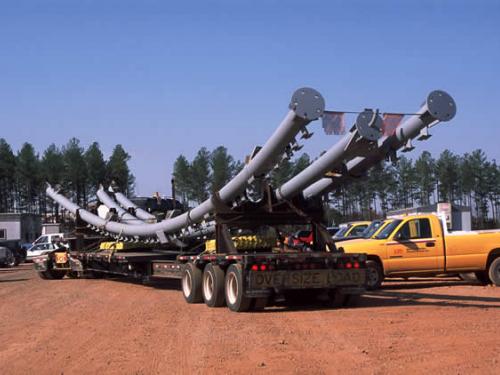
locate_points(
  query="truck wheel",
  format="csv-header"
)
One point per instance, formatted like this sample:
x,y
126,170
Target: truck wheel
x,y
11,259
374,275
52,274
235,297
336,298
213,286
494,272
258,304
191,284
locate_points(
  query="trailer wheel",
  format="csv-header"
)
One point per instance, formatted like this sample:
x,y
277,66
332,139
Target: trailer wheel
x,y
11,259
52,274
337,299
213,286
235,297
258,304
191,284
374,275
494,272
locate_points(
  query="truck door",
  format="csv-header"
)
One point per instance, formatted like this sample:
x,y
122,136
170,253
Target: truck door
x,y
413,248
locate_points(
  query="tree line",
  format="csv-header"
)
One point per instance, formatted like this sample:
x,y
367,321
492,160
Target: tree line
x,y
210,170
467,180
78,171
470,180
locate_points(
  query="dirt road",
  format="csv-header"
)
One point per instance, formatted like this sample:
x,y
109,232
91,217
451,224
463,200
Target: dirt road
x,y
116,327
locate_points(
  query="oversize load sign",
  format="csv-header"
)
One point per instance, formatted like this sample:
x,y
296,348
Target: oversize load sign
x,y
306,279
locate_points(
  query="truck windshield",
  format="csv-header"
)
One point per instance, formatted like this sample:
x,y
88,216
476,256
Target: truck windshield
x,y
341,232
386,232
371,229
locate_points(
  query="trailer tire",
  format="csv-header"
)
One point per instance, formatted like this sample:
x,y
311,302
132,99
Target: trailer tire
x,y
191,284
374,275
336,298
258,304
11,260
52,275
494,271
234,289
213,286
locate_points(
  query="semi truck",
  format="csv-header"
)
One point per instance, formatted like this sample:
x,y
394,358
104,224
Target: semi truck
x,y
229,273
420,245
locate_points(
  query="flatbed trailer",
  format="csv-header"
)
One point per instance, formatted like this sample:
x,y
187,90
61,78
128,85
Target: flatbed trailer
x,y
241,279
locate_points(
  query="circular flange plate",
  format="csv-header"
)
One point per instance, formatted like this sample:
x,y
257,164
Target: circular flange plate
x,y
369,125
441,105
307,103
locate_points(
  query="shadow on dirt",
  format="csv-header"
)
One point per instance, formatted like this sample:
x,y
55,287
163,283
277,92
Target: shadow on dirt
x,y
13,280
393,293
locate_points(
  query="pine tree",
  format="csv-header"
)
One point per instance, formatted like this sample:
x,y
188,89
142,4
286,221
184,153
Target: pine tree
x,y
447,171
7,176
75,170
425,177
52,171
96,167
28,178
200,176
222,165
119,172
182,177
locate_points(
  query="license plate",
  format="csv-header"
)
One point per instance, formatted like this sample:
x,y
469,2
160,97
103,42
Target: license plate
x,y
61,258
306,279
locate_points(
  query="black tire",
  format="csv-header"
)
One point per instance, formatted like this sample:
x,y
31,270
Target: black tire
x,y
494,271
374,275
482,277
258,304
52,274
234,289
11,260
352,300
192,284
74,274
213,286
97,275
336,298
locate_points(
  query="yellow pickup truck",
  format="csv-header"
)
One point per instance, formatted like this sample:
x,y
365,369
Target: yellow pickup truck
x,y
420,245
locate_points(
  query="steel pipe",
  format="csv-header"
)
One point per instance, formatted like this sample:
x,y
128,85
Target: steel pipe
x,y
438,107
110,203
306,105
360,139
128,204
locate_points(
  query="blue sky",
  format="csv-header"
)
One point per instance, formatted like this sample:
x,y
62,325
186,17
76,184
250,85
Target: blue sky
x,y
164,78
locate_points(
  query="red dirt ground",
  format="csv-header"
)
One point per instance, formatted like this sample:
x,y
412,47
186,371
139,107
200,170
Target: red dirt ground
x,y
433,326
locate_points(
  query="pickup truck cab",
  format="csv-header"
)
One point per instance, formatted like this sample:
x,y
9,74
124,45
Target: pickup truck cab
x,y
420,245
